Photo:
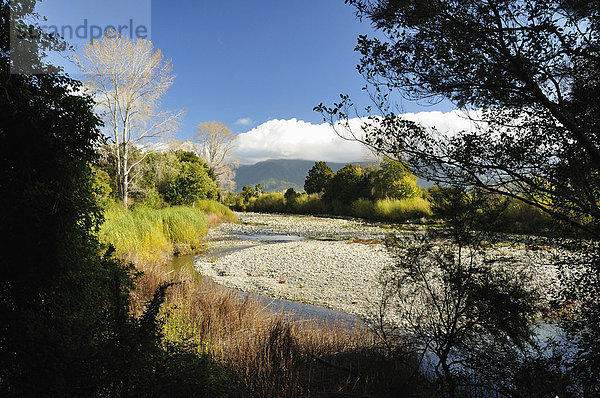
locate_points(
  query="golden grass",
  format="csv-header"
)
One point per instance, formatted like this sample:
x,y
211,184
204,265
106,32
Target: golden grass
x,y
272,354
143,235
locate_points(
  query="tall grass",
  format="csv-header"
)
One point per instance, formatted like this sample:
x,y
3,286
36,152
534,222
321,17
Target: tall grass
x,y
308,204
272,354
146,235
269,202
391,210
394,210
219,209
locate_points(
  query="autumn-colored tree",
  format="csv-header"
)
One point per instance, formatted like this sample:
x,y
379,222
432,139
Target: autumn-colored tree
x,y
217,142
128,79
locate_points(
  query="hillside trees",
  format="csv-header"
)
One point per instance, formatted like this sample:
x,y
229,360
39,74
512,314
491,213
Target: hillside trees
x,y
217,142
128,79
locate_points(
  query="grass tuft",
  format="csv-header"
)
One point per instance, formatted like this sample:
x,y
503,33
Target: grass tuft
x,y
144,235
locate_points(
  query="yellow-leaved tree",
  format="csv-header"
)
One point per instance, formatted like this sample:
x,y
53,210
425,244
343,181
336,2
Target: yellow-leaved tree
x,y
128,79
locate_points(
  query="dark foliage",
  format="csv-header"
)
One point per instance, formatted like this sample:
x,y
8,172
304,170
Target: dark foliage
x,y
66,328
349,183
318,178
526,73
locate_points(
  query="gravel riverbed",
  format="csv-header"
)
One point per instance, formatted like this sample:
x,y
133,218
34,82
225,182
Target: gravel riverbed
x,y
328,262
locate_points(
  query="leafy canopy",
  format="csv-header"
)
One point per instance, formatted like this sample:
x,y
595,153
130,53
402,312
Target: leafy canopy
x,y
318,178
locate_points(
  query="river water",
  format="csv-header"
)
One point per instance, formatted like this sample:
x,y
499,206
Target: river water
x,y
296,310
545,332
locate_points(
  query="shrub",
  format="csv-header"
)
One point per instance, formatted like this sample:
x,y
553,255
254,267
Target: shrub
x,y
193,183
524,218
363,208
394,180
269,202
308,204
394,210
402,210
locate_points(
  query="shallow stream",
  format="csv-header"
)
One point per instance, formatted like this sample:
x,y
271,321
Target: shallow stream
x,y
297,310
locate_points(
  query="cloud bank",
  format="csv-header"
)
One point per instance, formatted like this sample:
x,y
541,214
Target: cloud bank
x,y
296,139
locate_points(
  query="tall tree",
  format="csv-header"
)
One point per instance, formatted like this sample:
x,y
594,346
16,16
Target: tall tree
x,y
527,73
318,178
217,142
128,79
529,68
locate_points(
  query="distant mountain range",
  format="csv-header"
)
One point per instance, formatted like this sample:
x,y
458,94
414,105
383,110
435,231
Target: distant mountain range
x,y
277,175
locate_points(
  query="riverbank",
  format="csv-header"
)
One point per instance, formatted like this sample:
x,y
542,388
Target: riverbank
x,y
259,351
328,262
332,263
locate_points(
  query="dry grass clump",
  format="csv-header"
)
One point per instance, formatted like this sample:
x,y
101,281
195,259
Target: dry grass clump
x,y
272,354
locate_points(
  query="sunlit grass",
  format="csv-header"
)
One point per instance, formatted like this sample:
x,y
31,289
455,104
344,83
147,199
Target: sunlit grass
x,y
150,235
394,210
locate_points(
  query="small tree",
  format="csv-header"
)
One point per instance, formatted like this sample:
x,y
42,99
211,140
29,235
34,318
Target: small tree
x,y
247,193
318,178
459,302
217,142
290,195
394,180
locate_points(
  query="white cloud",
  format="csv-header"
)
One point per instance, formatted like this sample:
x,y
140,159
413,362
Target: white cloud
x,y
448,123
296,139
245,121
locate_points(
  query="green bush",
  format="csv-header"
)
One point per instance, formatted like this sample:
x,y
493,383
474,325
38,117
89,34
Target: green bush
x,y
524,218
193,183
308,204
363,208
394,210
269,203
402,209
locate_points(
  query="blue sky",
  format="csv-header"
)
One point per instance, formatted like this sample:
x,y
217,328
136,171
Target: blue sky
x,y
260,60
251,61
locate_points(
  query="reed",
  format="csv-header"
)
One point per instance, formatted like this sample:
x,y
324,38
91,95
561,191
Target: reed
x,y
144,235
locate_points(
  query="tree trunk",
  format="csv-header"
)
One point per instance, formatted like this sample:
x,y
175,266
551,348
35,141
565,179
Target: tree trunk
x,y
125,177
